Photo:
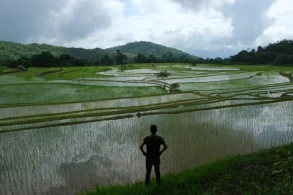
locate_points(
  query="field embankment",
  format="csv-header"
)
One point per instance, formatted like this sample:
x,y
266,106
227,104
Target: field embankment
x,y
266,172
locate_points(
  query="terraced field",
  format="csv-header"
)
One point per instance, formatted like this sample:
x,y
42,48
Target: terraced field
x,y
69,130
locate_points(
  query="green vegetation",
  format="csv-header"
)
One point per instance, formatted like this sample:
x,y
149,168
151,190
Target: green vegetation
x,y
47,74
62,93
266,172
43,55
14,50
147,48
147,52
279,53
163,74
72,73
12,54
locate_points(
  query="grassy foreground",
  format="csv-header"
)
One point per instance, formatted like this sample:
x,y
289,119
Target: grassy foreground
x,y
265,172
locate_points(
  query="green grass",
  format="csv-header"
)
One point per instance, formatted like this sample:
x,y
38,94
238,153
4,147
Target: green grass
x,y
4,69
77,73
68,73
266,172
44,93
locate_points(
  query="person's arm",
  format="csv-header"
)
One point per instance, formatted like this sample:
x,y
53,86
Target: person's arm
x,y
141,148
164,148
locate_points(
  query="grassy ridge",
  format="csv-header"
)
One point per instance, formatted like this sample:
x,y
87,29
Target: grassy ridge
x,y
266,172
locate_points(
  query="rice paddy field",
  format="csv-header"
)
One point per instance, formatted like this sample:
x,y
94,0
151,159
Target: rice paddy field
x,y
64,131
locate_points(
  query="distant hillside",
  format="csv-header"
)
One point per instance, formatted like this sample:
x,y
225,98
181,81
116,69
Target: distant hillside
x,y
148,48
16,50
279,53
12,50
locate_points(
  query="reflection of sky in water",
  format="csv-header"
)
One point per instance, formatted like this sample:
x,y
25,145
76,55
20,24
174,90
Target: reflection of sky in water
x,y
213,69
237,83
117,83
123,102
271,124
211,78
67,159
125,78
143,71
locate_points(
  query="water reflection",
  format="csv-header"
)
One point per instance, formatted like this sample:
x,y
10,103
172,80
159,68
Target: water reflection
x,y
271,136
67,159
95,171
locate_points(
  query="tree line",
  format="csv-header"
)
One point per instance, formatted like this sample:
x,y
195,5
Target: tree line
x,y
280,53
47,59
165,58
14,51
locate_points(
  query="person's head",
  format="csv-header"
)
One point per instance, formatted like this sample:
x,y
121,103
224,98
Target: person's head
x,y
154,129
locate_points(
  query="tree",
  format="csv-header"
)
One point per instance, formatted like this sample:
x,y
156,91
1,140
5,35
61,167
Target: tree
x,y
120,57
259,48
168,57
140,58
283,59
26,62
78,62
105,60
163,74
45,59
152,59
65,60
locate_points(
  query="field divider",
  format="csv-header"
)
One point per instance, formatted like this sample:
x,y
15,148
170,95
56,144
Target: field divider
x,y
123,115
143,114
90,112
90,101
116,110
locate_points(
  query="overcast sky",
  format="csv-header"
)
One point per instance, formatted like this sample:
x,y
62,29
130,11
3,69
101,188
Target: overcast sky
x,y
206,28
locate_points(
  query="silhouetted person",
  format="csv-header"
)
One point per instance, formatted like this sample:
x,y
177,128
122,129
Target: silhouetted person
x,y
153,153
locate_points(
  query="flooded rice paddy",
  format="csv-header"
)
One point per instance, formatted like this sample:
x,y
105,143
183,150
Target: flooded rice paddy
x,y
68,147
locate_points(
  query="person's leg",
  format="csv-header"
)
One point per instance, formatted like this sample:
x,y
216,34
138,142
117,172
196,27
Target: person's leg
x,y
157,170
149,165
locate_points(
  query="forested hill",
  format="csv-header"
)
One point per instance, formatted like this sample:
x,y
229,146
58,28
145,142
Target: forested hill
x,y
12,50
279,53
148,48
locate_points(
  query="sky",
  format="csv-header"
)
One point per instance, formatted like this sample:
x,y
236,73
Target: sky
x,y
205,28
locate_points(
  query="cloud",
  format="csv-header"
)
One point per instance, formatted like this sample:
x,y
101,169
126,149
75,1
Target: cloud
x,y
78,19
203,4
91,23
54,21
22,19
168,23
280,13
197,26
248,19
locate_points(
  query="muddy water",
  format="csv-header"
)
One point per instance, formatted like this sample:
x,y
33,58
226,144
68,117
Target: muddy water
x,y
68,159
